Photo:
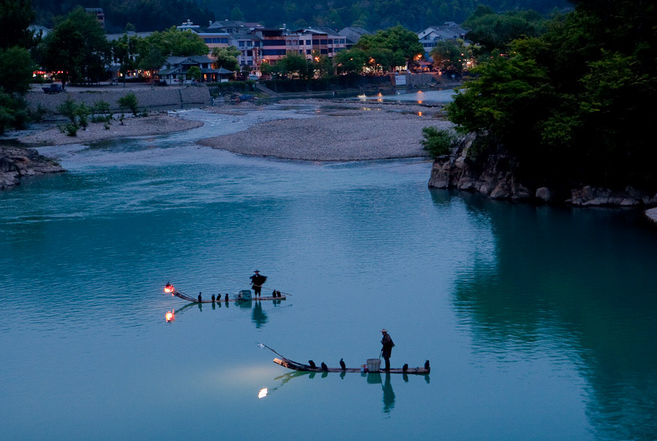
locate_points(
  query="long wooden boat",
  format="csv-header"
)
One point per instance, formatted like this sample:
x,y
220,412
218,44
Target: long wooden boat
x,y
242,296
290,364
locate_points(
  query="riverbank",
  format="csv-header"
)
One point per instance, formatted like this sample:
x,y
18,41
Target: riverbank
x,y
159,124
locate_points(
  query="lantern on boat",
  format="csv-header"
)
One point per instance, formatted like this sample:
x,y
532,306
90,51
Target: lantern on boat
x,y
168,288
170,316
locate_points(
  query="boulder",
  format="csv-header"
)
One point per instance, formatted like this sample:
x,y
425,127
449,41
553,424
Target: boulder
x,y
17,162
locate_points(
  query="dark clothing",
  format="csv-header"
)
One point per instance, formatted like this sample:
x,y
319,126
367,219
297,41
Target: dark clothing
x,y
256,283
386,351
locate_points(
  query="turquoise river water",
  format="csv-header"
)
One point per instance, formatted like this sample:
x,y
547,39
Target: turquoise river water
x,y
539,322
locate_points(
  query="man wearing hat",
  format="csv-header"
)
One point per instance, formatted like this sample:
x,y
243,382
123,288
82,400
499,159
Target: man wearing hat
x,y
256,282
387,343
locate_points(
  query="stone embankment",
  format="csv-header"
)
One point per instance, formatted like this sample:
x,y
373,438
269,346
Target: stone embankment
x,y
496,178
18,162
147,97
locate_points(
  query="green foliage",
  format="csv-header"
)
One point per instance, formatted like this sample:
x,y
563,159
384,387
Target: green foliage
x,y
402,43
124,52
437,142
194,72
70,129
450,56
69,109
226,58
77,113
13,112
574,103
351,61
129,102
294,65
15,17
153,15
101,111
77,47
493,33
16,67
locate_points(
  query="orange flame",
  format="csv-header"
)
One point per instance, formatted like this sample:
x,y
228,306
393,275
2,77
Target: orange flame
x,y
168,288
170,316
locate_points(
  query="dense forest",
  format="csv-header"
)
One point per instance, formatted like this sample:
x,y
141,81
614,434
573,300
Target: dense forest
x,y
575,103
151,15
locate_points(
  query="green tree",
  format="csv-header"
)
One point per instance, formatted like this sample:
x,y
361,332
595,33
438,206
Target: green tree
x,y
351,61
322,66
156,48
450,56
194,73
124,51
16,67
129,102
96,49
15,18
63,52
403,43
437,142
236,14
13,112
573,104
226,58
77,48
492,32
294,65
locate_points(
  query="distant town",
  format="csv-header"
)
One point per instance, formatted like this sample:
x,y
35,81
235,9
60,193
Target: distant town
x,y
255,48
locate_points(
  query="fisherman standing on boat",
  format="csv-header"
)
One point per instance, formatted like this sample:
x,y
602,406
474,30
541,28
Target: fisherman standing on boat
x,y
386,351
256,282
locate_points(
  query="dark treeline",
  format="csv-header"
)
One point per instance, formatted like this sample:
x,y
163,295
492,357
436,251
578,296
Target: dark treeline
x,y
150,15
575,103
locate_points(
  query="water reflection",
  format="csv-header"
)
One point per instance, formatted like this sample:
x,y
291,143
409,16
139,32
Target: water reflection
x,y
373,378
258,316
386,387
568,299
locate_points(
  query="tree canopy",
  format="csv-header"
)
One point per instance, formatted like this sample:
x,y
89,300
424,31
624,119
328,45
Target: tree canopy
x,y
575,102
152,15
15,18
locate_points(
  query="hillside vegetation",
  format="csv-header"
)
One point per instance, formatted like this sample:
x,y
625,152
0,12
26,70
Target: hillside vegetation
x,y
150,15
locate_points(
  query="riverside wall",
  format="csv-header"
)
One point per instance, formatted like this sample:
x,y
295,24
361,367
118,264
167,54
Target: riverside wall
x,y
147,97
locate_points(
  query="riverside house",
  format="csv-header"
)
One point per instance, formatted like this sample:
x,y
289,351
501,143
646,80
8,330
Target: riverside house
x,y
175,70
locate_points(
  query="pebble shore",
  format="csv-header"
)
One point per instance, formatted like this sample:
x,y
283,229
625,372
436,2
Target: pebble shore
x,y
140,126
341,131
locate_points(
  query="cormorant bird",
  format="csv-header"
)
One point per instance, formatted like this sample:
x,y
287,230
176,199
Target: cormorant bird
x,y
312,364
342,365
427,366
324,367
212,298
199,298
405,368
226,296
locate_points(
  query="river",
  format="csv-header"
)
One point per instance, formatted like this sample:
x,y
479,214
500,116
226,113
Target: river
x,y
538,321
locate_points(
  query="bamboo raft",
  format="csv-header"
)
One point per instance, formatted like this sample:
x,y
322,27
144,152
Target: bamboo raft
x,y
296,366
242,296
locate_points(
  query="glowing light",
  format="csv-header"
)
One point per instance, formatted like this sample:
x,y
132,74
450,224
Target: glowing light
x,y
419,114
262,393
170,316
168,288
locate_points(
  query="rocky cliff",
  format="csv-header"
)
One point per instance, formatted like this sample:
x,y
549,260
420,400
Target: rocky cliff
x,y
17,162
495,176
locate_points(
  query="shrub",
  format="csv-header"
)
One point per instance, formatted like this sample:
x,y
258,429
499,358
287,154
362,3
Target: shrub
x,y
129,102
437,142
